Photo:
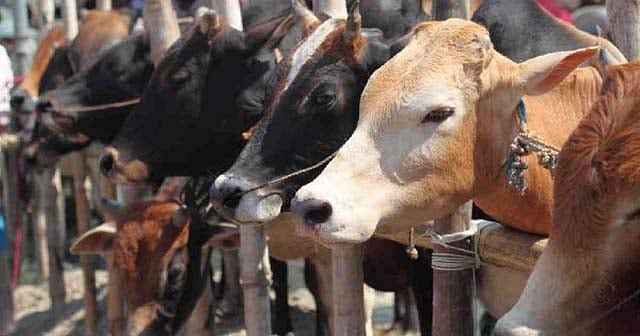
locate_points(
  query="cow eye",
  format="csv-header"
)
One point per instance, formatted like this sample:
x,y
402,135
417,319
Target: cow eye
x,y
438,115
180,77
325,98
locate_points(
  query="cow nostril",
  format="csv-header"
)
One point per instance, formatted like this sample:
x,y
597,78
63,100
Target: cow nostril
x,y
107,163
317,213
17,100
232,200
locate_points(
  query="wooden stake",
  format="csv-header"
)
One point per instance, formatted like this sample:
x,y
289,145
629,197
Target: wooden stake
x,y
83,219
446,9
624,26
47,11
348,295
103,5
453,290
70,18
47,194
230,11
255,275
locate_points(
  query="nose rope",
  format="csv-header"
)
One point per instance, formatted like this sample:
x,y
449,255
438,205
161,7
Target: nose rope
x,y
288,176
74,109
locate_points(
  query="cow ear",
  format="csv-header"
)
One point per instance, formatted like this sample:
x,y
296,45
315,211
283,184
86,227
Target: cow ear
x,y
98,240
541,74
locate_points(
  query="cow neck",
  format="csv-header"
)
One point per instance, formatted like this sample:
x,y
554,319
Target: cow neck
x,y
552,117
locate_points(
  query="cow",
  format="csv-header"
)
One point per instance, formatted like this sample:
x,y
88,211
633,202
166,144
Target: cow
x,y
161,252
435,127
186,111
586,280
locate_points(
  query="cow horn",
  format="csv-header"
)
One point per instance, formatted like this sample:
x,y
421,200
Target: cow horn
x,y
161,24
354,22
304,17
111,209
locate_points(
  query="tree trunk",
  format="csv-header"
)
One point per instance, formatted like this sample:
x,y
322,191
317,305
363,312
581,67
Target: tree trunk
x,y
70,18
348,295
255,275
325,9
83,220
624,26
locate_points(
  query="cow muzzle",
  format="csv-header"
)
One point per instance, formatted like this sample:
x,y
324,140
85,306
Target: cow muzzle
x,y
233,199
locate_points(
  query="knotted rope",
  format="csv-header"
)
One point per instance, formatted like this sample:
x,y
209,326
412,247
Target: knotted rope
x,y
526,143
75,109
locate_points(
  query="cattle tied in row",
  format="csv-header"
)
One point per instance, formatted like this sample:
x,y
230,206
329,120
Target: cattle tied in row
x,y
586,281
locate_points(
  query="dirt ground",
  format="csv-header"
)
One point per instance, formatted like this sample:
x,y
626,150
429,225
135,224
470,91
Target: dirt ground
x,y
33,316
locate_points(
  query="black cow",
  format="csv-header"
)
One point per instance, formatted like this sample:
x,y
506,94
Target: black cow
x,y
206,91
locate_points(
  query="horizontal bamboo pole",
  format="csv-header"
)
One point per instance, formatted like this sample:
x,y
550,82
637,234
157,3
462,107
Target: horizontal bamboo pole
x,y
498,245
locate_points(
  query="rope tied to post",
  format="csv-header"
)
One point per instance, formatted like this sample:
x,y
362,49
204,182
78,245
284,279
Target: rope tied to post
x,y
526,143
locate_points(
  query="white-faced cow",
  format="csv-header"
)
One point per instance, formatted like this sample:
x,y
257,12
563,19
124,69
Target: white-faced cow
x,y
586,282
436,123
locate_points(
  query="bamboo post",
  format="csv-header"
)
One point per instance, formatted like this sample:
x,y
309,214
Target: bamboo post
x,y
21,36
70,18
453,290
83,219
47,11
348,293
10,203
103,5
47,193
255,275
230,11
624,26
505,247
325,9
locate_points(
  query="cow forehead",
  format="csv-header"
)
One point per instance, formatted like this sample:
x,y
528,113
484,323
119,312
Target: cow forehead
x,y
435,58
312,48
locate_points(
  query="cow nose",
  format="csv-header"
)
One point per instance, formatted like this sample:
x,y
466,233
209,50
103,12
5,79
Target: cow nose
x,y
227,190
313,211
107,162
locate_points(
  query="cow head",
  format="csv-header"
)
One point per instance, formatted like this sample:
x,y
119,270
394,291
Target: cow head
x,y
206,91
120,74
161,251
434,129
313,110
586,282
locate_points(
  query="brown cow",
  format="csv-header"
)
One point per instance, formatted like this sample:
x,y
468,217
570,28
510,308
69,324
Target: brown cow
x,y
587,282
162,254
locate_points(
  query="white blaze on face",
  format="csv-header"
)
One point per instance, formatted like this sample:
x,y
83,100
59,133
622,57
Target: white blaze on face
x,y
380,170
308,48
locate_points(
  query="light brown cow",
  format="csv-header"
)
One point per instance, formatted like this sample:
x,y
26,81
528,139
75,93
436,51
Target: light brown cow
x,y
436,122
587,282
435,126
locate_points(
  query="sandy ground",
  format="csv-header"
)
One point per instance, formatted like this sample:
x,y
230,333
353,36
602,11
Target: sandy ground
x,y
33,316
